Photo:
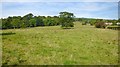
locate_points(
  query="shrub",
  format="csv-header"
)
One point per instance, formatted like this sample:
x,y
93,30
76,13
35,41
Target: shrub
x,y
113,27
83,23
100,25
92,23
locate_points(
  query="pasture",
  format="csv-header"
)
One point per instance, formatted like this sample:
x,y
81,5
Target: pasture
x,y
83,45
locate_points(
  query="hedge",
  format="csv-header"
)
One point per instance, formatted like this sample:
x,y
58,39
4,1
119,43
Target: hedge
x,y
113,27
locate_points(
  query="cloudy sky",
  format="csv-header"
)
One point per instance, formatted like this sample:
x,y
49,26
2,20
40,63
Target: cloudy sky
x,y
59,0
93,9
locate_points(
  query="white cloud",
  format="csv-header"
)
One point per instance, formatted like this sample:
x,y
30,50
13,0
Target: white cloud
x,y
86,7
80,9
60,0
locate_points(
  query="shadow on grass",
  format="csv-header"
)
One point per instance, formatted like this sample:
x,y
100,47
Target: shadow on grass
x,y
67,28
9,33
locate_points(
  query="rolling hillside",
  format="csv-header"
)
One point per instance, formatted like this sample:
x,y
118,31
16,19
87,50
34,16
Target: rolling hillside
x,y
83,44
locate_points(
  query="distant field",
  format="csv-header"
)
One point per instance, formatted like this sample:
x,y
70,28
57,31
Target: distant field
x,y
84,45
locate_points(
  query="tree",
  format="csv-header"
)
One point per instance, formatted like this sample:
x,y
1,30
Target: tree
x,y
16,21
28,16
6,23
66,19
39,21
56,20
92,22
26,19
49,21
32,22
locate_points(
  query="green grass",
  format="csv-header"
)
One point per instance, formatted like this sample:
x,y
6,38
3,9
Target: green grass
x,y
84,45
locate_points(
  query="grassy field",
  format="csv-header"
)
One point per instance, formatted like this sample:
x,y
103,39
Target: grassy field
x,y
84,45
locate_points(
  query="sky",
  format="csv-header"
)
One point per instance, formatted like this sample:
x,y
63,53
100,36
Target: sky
x,y
87,9
59,0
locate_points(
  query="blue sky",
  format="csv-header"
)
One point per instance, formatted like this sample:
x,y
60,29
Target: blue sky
x,y
59,0
105,10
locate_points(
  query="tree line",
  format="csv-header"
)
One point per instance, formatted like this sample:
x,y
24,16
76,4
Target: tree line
x,y
65,19
29,21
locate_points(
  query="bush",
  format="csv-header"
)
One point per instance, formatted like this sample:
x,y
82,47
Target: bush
x,y
113,27
84,23
100,25
92,23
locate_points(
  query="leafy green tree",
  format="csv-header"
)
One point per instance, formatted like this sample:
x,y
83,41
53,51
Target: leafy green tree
x,y
56,20
46,21
16,21
24,23
26,19
32,22
28,16
66,19
39,21
6,23
92,22
49,21
19,21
